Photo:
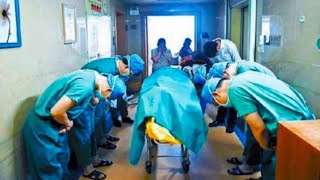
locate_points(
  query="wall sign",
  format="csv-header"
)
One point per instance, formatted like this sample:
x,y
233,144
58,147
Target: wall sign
x,y
69,23
97,7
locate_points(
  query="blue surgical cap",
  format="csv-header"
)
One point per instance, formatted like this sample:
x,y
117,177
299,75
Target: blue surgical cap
x,y
200,75
117,85
217,69
136,64
208,88
119,57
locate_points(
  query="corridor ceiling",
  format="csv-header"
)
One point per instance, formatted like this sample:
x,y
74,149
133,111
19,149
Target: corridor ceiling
x,y
154,2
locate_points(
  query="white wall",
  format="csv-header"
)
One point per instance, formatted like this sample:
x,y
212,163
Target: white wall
x,y
296,59
26,71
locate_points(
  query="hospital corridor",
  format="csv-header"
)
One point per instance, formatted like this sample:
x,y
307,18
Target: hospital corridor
x,y
159,90
208,164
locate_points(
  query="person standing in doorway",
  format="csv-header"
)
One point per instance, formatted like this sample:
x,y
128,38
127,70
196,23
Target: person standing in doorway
x,y
186,52
161,56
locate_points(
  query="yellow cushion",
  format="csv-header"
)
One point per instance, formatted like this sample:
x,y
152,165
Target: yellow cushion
x,y
160,133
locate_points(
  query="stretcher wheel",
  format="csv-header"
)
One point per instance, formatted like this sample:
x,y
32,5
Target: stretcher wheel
x,y
148,166
185,165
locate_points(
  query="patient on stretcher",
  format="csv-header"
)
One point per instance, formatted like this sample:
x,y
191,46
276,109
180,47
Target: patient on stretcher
x,y
169,99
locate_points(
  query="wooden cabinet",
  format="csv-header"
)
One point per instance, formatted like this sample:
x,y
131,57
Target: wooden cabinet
x,y
298,150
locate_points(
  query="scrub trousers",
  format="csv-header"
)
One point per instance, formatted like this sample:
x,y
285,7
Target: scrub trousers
x,y
268,165
252,150
222,113
82,139
122,107
93,124
102,119
47,151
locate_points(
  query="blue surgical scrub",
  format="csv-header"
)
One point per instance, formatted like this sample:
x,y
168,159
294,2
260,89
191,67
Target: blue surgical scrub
x,y
251,151
105,65
274,100
81,137
102,118
46,150
244,66
92,124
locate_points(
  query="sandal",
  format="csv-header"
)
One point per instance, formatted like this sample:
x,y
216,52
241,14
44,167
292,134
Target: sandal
x,y
237,171
113,138
216,123
107,145
127,120
103,163
234,160
95,175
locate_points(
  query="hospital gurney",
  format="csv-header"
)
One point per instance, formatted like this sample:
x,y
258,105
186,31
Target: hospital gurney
x,y
170,99
158,134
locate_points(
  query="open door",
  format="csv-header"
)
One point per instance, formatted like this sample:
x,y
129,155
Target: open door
x,y
174,36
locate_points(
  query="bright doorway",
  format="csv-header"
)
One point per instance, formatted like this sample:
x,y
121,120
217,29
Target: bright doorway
x,y
174,29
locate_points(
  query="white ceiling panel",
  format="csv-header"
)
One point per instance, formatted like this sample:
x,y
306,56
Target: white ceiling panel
x,y
140,2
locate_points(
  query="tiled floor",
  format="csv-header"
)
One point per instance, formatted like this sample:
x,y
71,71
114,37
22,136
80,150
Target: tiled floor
x,y
210,163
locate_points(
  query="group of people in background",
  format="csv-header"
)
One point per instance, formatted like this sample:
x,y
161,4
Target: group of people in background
x,y
162,56
85,103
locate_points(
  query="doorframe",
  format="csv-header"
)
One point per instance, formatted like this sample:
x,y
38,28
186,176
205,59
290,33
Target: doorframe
x,y
118,11
242,30
251,34
252,13
144,29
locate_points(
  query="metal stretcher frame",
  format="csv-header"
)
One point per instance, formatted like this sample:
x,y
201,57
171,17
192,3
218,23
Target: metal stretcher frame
x,y
151,143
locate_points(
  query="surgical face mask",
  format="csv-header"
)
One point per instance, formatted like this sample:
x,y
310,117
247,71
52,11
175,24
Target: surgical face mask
x,y
125,78
97,94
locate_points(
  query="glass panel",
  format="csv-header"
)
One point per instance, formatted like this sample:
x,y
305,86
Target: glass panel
x,y
174,29
99,36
